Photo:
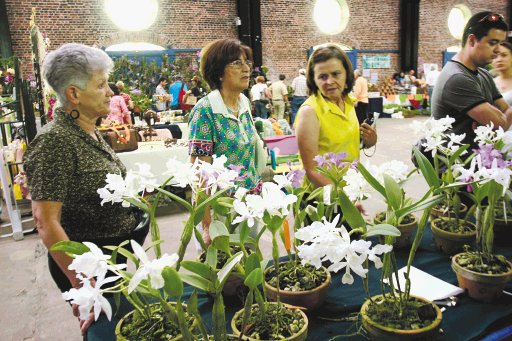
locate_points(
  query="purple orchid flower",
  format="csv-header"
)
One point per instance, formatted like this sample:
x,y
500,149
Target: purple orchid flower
x,y
320,161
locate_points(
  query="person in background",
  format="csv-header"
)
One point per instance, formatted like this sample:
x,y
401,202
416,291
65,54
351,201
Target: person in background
x,y
162,97
327,121
127,99
465,90
174,90
68,161
279,97
195,89
259,96
431,80
119,113
221,122
361,95
502,63
300,94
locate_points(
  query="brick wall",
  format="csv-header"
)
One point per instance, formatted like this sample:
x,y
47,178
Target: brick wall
x,y
288,30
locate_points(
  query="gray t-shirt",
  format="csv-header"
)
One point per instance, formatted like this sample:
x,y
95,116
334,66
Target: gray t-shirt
x,y
458,90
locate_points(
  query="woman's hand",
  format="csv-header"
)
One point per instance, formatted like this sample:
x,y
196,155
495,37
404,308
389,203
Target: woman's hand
x,y
368,134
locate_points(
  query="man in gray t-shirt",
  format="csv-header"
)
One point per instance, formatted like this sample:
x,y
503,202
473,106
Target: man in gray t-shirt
x,y
466,91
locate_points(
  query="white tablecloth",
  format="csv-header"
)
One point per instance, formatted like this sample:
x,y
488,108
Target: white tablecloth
x,y
156,157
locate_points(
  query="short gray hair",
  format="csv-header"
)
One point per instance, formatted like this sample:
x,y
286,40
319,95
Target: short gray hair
x,y
73,64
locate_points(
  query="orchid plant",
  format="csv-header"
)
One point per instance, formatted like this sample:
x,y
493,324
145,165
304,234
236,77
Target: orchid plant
x,y
488,177
148,289
446,150
208,181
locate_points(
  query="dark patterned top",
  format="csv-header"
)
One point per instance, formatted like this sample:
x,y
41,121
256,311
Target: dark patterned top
x,y
65,164
216,131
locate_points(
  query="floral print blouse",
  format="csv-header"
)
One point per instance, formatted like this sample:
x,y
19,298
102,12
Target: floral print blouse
x,y
64,164
216,131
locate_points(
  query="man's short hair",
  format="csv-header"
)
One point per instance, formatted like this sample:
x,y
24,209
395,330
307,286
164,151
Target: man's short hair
x,y
282,77
302,72
480,24
161,79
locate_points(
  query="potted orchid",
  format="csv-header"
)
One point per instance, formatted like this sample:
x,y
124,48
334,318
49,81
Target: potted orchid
x,y
148,290
265,320
481,272
449,220
328,241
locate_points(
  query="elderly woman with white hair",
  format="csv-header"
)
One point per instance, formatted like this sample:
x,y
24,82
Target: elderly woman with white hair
x,y
68,161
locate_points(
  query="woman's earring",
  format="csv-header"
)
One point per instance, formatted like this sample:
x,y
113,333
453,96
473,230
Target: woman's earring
x,y
220,78
75,114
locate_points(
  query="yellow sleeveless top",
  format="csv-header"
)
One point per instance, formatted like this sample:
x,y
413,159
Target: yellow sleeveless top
x,y
339,131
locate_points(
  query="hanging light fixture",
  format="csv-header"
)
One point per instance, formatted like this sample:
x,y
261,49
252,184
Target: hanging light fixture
x,y
132,15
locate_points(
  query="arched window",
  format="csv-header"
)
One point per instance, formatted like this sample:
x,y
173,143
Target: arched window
x,y
331,16
132,15
457,19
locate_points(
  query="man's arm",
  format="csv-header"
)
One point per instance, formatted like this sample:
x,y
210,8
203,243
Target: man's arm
x,y
500,114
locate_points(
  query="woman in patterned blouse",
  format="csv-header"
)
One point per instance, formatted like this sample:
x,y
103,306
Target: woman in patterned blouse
x,y
68,161
221,123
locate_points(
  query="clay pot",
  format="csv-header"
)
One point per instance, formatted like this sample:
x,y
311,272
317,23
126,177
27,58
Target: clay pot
x,y
380,332
309,299
120,337
301,335
437,213
406,232
451,243
481,287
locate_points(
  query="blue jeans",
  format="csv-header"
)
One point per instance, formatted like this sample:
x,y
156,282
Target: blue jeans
x,y
260,109
295,105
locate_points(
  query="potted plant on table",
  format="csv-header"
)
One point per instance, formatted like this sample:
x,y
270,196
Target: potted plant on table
x,y
481,272
449,220
395,312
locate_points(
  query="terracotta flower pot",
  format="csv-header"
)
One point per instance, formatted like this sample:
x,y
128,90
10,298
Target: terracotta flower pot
x,y
406,232
309,299
451,243
380,332
301,335
122,321
481,287
437,213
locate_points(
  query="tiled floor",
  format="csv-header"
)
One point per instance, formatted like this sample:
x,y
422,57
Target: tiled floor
x,y
32,308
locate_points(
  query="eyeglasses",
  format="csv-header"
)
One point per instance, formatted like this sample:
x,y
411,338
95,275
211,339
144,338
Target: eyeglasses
x,y
240,63
492,17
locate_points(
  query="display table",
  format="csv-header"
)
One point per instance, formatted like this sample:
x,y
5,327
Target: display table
x,y
178,130
156,157
468,320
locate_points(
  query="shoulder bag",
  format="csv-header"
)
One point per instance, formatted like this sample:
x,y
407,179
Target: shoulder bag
x,y
120,138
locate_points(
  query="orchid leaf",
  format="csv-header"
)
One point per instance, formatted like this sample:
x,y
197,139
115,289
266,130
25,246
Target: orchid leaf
x,y
382,230
252,262
219,235
254,279
173,285
350,212
71,247
137,203
426,168
371,179
315,193
201,269
192,305
223,274
418,206
211,198
456,155
211,257
394,193
124,252
197,281
175,197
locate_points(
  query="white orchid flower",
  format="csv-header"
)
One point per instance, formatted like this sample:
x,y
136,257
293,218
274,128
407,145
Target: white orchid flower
x,y
376,251
88,297
240,193
153,268
93,263
283,182
183,173
244,213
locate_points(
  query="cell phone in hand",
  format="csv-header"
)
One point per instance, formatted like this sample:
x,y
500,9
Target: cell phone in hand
x,y
372,119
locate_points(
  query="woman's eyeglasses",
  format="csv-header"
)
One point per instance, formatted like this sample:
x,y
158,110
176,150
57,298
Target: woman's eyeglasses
x,y
491,18
240,63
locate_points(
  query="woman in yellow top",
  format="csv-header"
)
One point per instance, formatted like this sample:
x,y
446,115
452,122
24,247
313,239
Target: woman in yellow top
x,y
327,121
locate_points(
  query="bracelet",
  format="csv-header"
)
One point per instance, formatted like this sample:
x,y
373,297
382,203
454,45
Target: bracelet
x,y
374,150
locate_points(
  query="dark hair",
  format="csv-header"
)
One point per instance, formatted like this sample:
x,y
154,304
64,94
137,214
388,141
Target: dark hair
x,y
479,27
216,55
161,79
323,54
507,44
114,89
282,77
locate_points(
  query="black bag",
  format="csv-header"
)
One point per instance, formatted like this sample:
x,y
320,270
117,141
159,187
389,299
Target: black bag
x,y
421,148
